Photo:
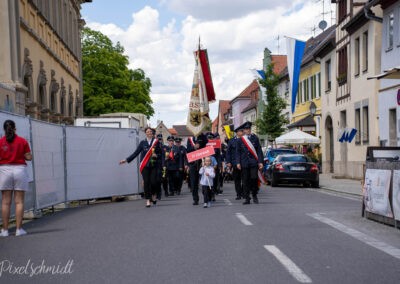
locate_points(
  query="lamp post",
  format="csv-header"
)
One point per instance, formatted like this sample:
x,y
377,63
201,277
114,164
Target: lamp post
x,y
313,110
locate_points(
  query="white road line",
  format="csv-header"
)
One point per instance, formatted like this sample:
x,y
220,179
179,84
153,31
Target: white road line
x,y
290,266
390,250
228,202
243,219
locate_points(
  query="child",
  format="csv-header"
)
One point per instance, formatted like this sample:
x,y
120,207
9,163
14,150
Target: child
x,y
207,176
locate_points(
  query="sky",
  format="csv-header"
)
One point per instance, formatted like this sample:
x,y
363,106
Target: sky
x,y
159,36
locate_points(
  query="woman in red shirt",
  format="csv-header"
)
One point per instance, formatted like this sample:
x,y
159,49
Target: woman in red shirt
x,y
14,152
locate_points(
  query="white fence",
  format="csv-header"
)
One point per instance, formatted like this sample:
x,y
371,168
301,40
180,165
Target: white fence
x,y
76,163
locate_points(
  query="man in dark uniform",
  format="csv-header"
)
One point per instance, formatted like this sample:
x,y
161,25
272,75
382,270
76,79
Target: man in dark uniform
x,y
160,169
231,163
174,163
182,153
164,179
249,159
194,167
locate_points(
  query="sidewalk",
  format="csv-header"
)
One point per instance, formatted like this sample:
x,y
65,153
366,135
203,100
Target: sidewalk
x,y
347,186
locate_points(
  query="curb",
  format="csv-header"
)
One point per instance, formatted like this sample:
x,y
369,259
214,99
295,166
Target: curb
x,y
341,192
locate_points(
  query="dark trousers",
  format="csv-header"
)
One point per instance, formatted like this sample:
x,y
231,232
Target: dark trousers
x,y
207,193
237,178
150,181
164,182
194,181
216,184
250,182
180,181
173,181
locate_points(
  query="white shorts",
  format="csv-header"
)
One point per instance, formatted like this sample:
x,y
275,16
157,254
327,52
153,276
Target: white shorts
x,y
14,177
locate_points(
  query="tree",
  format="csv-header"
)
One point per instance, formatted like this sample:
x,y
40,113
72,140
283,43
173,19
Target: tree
x,y
108,84
272,121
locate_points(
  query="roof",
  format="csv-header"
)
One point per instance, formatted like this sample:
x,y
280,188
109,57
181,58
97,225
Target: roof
x,y
172,131
313,44
182,130
280,62
246,93
306,121
224,106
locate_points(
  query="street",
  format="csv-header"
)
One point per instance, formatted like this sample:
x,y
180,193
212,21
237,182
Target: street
x,y
295,235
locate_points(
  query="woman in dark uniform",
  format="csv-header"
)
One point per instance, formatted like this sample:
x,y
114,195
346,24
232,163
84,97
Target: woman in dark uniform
x,y
151,161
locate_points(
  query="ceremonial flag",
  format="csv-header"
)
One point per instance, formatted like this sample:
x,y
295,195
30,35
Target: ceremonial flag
x,y
202,94
295,49
229,131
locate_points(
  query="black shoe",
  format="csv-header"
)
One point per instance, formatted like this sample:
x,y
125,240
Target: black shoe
x,y
171,194
154,202
196,203
238,198
247,201
255,200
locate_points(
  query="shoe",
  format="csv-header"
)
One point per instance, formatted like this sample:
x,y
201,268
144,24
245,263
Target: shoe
x,y
213,200
148,204
238,198
255,200
154,202
196,203
205,205
20,232
209,204
247,201
4,233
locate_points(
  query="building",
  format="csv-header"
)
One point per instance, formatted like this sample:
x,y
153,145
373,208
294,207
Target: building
x,y
163,130
40,57
358,49
389,75
241,101
182,132
224,116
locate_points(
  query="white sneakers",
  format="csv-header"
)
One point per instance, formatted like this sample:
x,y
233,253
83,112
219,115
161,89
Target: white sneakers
x,y
18,232
207,205
4,233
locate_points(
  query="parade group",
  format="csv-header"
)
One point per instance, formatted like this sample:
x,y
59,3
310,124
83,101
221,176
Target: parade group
x,y
166,166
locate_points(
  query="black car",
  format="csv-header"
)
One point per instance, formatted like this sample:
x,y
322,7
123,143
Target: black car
x,y
293,168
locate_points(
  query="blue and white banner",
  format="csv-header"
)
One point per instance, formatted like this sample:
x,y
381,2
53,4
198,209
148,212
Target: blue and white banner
x,y
260,74
346,134
295,49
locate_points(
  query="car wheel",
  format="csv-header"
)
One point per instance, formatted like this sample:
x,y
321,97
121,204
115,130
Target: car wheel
x,y
315,184
274,182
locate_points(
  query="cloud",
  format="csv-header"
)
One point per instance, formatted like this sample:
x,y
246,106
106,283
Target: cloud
x,y
235,41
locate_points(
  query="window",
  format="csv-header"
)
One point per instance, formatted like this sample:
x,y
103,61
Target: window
x,y
70,106
313,87
357,56
342,66
390,26
365,133
305,90
328,75
53,102
299,92
358,126
392,127
62,105
342,11
319,85
365,51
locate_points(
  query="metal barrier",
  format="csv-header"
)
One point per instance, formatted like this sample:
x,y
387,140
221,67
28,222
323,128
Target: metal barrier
x,y
76,163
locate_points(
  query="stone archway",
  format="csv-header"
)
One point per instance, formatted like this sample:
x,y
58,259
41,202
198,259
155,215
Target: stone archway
x,y
329,144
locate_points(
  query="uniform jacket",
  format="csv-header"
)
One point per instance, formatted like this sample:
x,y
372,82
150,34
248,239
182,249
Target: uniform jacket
x,y
142,149
173,158
243,155
231,151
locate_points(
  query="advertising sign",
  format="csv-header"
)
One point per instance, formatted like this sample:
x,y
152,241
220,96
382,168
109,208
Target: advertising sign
x,y
376,192
396,194
199,154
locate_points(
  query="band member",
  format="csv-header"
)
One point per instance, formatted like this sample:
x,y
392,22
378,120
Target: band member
x,y
231,162
249,160
194,167
182,152
151,159
161,173
174,164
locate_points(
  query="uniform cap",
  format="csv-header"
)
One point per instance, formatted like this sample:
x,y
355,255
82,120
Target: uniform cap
x,y
170,138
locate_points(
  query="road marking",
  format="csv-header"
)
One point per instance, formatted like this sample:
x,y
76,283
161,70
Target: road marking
x,y
290,266
228,202
382,246
243,219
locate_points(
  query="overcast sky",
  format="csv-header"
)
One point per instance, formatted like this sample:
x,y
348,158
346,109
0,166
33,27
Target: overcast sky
x,y
159,36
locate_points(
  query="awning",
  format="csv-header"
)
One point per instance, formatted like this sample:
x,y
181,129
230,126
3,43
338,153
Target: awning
x,y
297,137
393,73
306,121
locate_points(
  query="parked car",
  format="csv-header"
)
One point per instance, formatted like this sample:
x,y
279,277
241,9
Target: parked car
x,y
271,154
293,168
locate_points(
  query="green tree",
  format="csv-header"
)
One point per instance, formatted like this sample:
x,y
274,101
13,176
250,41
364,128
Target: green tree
x,y
272,121
108,84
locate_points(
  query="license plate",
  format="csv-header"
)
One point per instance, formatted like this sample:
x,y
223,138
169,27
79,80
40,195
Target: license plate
x,y
297,168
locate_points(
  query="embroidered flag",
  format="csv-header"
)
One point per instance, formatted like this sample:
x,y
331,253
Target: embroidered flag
x,y
147,157
295,49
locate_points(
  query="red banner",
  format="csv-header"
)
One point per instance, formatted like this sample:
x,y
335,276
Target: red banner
x,y
199,154
215,143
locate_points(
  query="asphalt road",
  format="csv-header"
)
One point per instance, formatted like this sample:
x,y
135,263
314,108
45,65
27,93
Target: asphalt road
x,y
295,235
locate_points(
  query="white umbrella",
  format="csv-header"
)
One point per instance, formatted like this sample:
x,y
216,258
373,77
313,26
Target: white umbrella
x,y
297,137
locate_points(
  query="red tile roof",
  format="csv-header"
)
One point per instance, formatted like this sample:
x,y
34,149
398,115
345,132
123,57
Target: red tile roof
x,y
224,106
172,131
246,93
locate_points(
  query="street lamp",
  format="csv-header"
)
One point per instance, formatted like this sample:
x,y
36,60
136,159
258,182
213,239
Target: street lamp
x,y
313,109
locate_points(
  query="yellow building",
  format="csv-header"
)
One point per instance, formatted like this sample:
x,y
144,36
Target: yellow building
x,y
40,57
